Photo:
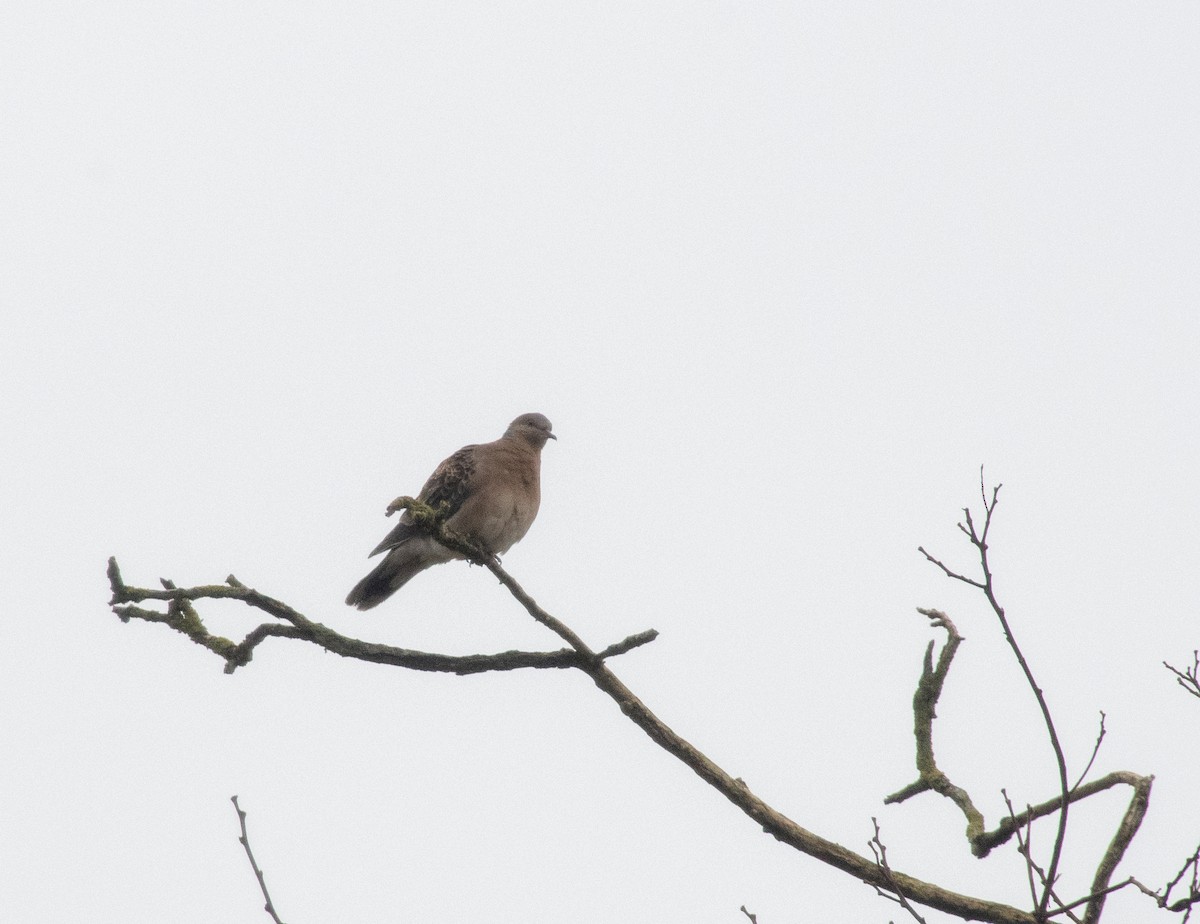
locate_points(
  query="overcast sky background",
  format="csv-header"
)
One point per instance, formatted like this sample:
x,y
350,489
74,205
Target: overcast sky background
x,y
782,275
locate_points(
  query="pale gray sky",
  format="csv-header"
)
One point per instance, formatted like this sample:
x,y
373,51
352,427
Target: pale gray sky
x,y
782,275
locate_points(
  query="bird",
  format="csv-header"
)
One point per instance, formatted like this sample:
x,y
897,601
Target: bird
x,y
490,494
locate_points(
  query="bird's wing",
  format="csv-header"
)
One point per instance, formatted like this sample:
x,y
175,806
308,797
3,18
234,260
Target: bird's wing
x,y
449,485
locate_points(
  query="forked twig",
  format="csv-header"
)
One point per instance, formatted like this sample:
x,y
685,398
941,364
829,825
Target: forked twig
x,y
978,539
1189,902
1189,677
896,893
1042,881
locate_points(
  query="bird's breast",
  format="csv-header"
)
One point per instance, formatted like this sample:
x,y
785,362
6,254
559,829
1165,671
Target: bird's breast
x,y
501,518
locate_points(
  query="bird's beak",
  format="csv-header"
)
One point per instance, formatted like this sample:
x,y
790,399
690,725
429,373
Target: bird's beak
x,y
552,436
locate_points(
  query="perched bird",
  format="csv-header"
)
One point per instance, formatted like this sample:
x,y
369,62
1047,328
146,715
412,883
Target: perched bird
x,y
491,492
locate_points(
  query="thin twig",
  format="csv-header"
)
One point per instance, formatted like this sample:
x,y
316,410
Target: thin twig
x,y
897,894
1066,909
1025,848
1191,862
244,840
1023,843
1193,898
978,539
1013,825
1095,751
1188,678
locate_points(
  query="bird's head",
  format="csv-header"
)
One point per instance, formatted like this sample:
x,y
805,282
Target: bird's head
x,y
534,429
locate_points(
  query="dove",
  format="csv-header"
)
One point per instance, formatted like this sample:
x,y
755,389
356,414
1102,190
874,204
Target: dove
x,y
490,493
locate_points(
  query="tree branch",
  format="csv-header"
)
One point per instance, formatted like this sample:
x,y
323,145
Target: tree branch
x,y
1193,897
929,689
1130,822
182,616
736,791
879,850
244,840
1004,831
1095,750
930,777
978,539
1188,678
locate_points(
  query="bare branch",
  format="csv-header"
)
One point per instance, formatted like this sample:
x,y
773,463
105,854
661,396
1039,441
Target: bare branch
x,y
1191,863
946,570
1066,909
1042,881
1193,898
772,821
931,777
1130,822
244,840
1025,849
1188,678
929,689
1162,896
1023,844
979,540
879,850
181,615
1035,873
1006,829
1095,750
433,521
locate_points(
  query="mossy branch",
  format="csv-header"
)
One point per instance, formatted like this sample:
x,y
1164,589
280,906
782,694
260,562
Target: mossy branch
x,y
929,689
181,615
931,777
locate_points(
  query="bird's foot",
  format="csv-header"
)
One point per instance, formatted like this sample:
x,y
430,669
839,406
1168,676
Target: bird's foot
x,y
483,555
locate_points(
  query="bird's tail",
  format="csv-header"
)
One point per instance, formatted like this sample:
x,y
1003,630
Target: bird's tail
x,y
397,568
